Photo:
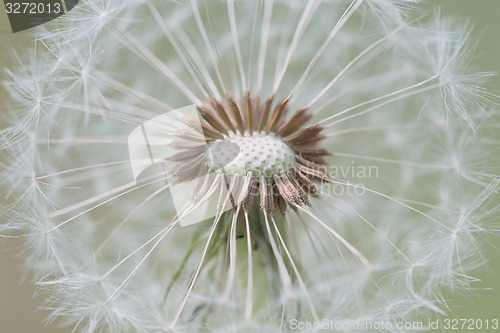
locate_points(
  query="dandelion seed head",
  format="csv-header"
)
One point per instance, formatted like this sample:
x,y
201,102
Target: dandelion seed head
x,y
341,163
261,154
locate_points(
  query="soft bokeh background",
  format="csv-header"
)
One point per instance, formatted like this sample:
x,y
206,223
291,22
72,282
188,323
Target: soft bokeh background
x,y
18,308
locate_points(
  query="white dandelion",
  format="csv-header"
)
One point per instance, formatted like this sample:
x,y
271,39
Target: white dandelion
x,y
343,155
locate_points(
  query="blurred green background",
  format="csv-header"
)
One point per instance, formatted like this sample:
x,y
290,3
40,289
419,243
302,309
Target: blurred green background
x,y
18,308
484,301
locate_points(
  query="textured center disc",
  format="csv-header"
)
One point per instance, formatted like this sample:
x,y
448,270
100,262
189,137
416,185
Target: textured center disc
x,y
261,153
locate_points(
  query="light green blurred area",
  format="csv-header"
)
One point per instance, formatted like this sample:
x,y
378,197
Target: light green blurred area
x,y
18,309
484,302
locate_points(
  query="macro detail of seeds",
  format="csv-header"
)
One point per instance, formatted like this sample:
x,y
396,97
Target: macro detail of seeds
x,y
338,168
